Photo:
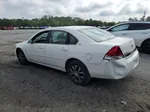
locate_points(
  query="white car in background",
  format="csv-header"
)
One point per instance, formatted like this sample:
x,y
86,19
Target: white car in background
x,y
139,31
81,51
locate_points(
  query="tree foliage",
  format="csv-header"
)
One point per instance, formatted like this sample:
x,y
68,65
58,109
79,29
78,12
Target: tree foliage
x,y
52,21
141,19
148,18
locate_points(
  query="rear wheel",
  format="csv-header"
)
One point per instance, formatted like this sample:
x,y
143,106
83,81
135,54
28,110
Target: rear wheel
x,y
146,46
78,72
21,57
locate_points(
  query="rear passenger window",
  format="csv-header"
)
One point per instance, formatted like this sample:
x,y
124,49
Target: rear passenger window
x,y
139,26
120,27
58,37
72,40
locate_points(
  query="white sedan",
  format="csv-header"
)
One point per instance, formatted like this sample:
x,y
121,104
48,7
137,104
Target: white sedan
x,y
83,52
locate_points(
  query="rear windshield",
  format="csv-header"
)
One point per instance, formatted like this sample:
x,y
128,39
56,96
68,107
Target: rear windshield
x,y
96,34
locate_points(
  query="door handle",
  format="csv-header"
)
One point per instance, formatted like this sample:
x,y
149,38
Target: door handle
x,y
63,49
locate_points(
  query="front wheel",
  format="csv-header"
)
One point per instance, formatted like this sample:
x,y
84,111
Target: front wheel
x,y
78,73
21,57
146,46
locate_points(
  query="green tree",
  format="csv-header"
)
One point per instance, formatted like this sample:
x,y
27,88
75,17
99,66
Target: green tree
x,y
148,18
48,20
130,19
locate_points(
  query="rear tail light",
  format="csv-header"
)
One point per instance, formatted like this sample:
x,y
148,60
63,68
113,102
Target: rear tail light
x,y
114,53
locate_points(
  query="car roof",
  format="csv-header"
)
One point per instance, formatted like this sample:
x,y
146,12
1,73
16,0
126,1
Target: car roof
x,y
145,22
69,28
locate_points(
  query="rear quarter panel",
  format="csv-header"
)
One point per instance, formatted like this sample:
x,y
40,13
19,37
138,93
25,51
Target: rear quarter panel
x,y
88,53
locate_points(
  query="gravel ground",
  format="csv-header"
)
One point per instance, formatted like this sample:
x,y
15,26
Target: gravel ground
x,y
34,88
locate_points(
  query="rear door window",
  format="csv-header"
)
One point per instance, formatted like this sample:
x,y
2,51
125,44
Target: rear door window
x,y
120,27
59,37
72,40
139,26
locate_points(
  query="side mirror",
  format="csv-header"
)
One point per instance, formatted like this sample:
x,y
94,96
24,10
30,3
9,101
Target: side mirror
x,y
109,30
30,41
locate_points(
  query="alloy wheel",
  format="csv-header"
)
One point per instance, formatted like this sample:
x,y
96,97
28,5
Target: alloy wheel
x,y
76,73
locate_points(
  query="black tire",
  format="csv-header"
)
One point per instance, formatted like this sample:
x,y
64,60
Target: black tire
x,y
78,73
21,57
146,46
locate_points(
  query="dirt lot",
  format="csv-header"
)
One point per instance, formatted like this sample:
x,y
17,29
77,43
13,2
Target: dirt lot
x,y
34,88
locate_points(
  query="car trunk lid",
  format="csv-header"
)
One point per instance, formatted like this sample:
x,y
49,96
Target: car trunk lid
x,y
126,45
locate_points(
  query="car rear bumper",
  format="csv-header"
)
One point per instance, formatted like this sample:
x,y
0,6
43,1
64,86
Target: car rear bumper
x,y
117,69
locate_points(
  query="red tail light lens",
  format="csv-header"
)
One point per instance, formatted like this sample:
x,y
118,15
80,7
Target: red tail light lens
x,y
114,53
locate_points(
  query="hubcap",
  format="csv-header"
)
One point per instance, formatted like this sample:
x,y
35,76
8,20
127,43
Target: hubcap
x,y
76,73
21,56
